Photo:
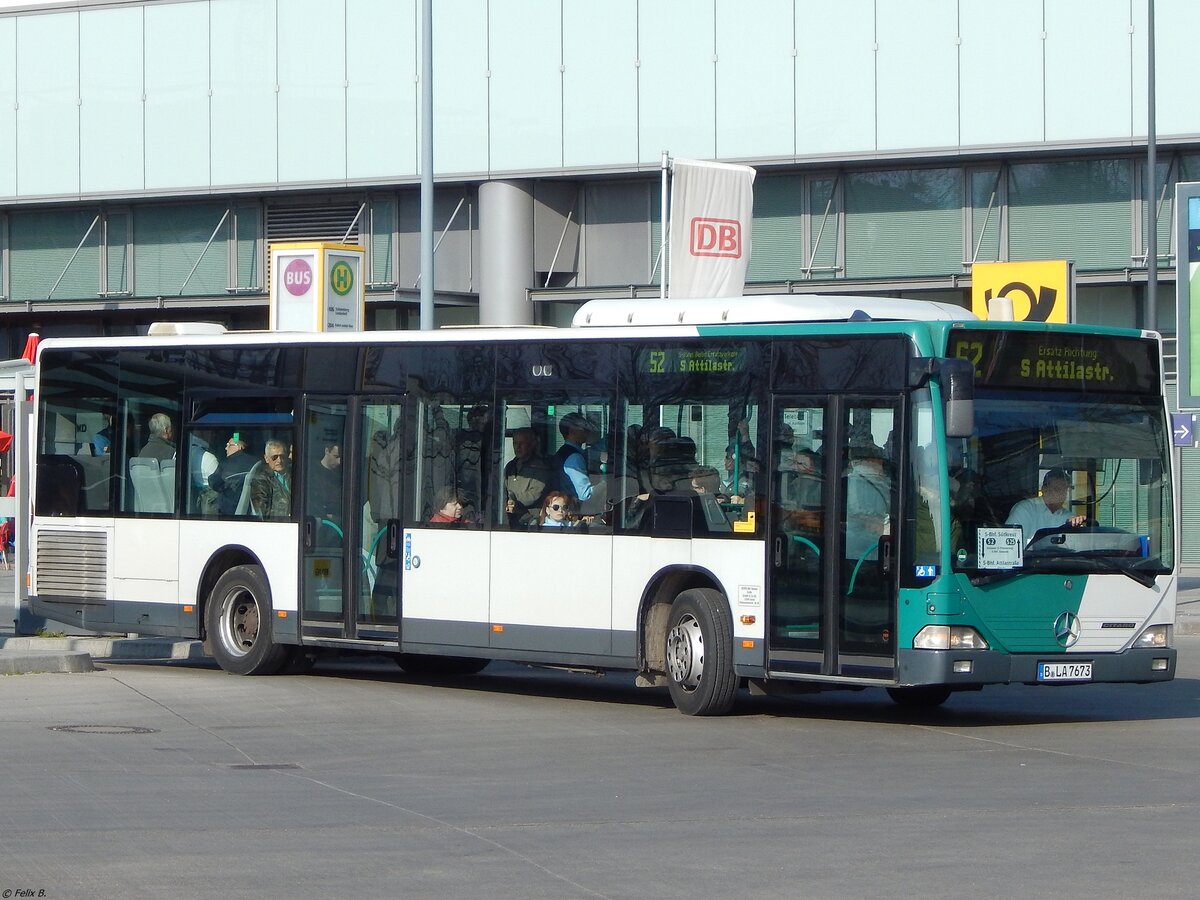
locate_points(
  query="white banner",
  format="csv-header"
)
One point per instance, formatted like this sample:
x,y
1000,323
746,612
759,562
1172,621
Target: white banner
x,y
711,206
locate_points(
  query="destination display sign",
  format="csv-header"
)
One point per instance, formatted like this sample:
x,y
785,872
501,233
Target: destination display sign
x,y
694,361
1058,360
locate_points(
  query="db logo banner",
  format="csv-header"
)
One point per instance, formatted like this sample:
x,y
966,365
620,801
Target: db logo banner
x,y
716,237
1040,290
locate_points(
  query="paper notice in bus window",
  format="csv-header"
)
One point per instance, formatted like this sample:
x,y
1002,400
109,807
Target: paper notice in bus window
x,y
999,548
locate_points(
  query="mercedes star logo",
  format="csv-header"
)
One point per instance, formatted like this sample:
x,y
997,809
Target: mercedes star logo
x,y
1066,629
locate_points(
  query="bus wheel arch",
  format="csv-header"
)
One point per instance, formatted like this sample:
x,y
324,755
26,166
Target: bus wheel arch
x,y
655,611
239,618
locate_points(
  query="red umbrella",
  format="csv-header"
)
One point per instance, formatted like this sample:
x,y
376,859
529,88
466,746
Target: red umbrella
x,y
29,354
5,441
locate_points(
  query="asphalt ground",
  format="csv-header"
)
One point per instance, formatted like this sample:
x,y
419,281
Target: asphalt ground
x,y
174,779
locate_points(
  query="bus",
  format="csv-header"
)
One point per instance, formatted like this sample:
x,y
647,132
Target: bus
x,y
775,493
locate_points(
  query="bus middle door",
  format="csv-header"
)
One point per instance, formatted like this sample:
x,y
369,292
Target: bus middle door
x,y
353,451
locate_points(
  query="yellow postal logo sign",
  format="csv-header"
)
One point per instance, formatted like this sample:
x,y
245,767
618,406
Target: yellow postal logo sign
x,y
1039,290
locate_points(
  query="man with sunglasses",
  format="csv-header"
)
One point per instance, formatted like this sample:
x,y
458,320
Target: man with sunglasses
x,y
271,487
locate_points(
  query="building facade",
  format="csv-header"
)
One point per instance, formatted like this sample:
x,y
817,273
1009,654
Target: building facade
x,y
151,150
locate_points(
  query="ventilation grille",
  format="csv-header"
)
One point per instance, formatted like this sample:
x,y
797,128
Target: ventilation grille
x,y
339,222
72,564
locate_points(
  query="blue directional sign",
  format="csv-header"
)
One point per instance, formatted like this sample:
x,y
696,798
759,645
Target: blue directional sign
x,y
1182,430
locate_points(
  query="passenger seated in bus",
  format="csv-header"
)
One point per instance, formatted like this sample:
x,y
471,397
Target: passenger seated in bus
x,y
570,461
271,486
557,512
102,439
160,445
1050,510
230,475
706,480
527,477
802,483
448,506
670,460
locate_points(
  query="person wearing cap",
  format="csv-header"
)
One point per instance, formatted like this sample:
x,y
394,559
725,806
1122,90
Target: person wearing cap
x,y
1050,510
570,461
230,475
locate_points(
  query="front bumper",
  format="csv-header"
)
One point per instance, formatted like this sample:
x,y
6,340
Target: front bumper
x,y
917,667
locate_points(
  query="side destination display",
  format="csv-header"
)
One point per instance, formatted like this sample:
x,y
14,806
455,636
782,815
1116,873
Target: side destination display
x,y
1057,361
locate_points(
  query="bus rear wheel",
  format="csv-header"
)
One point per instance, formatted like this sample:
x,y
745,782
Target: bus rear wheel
x,y
699,654
919,697
238,618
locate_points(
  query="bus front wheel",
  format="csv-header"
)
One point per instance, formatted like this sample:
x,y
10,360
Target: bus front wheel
x,y
699,654
238,621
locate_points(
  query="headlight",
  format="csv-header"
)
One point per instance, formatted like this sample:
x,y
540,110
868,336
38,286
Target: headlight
x,y
949,637
1154,636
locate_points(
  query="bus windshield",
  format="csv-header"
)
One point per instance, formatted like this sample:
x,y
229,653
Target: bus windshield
x,y
1064,483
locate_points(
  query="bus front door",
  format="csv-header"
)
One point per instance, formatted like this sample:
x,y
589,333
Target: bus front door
x,y
831,564
351,486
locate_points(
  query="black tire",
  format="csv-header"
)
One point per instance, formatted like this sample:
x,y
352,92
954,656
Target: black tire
x,y
928,697
699,654
239,618
423,664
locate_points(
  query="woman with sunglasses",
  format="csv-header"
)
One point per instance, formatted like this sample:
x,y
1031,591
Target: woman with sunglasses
x,y
556,511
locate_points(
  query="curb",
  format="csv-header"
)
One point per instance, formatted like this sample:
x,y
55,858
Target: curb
x,y
27,655
36,662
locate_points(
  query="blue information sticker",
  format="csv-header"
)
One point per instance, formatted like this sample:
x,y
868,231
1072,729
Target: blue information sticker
x,y
926,571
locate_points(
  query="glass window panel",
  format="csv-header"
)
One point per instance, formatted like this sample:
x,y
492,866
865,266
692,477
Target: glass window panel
x,y
524,87
777,236
840,38
116,252
754,50
381,99
617,238
986,205
600,82
48,104
916,73
460,101
171,240
1078,210
43,243
1015,26
904,222
249,225
824,208
110,111
382,241
243,98
177,135
1079,34
8,109
675,81
312,97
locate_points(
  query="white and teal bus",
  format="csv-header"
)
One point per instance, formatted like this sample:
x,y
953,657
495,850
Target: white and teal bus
x,y
785,493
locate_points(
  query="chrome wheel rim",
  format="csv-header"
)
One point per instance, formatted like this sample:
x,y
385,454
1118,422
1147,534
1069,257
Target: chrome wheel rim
x,y
239,613
685,653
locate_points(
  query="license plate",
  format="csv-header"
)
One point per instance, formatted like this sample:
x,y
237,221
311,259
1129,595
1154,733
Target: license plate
x,y
1060,671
